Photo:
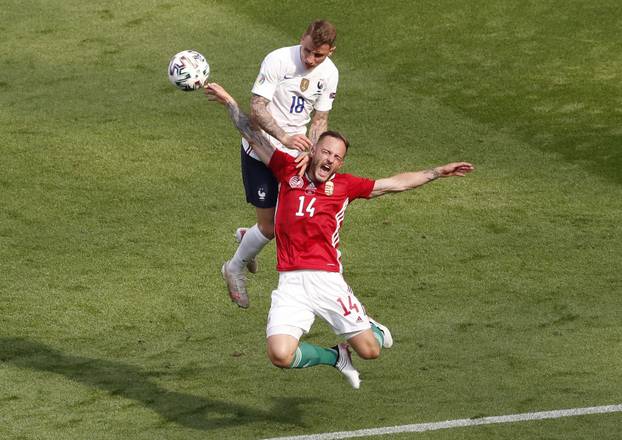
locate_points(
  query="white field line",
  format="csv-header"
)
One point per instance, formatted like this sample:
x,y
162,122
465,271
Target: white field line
x,y
459,423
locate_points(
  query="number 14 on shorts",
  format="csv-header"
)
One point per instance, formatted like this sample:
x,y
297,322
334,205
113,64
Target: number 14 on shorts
x,y
348,305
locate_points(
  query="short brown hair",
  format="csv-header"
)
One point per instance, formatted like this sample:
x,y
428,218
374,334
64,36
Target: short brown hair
x,y
336,135
322,32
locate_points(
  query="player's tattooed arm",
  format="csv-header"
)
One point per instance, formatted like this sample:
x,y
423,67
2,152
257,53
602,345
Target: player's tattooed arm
x,y
432,174
319,124
255,138
262,118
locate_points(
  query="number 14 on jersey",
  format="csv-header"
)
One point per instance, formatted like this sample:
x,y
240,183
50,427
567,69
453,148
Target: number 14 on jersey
x,y
309,208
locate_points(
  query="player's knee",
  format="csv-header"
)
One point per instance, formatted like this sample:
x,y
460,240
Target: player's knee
x,y
372,353
369,351
280,357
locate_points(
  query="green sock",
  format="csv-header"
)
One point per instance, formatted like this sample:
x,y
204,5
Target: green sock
x,y
309,355
377,333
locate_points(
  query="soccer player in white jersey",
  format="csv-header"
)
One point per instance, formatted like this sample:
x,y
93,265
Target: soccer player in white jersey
x,y
296,85
311,210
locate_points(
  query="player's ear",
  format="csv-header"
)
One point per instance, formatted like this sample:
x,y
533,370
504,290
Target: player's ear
x,y
332,50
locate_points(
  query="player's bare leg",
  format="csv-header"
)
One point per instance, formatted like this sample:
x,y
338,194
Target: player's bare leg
x,y
365,345
285,351
282,350
368,343
382,333
265,221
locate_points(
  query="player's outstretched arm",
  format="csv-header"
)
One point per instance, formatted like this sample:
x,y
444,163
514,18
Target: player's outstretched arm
x,y
255,138
261,116
406,181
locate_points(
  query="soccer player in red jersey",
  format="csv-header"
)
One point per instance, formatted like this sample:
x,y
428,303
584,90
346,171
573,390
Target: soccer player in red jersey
x,y
310,212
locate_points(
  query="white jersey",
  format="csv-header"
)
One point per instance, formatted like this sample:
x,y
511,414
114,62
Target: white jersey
x,y
294,91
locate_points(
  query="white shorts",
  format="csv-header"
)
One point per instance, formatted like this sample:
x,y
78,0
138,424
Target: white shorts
x,y
304,294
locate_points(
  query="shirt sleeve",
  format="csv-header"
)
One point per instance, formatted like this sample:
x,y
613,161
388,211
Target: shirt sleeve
x,y
268,78
281,165
359,187
325,100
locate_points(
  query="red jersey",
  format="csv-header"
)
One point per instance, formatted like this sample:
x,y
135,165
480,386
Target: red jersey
x,y
308,217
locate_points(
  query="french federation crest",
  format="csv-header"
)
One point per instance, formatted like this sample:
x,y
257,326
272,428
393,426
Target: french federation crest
x,y
304,84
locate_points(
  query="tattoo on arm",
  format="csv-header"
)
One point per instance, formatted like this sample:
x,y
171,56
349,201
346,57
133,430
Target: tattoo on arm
x,y
262,117
432,174
319,124
254,137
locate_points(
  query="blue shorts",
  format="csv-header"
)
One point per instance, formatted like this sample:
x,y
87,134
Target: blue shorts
x,y
260,184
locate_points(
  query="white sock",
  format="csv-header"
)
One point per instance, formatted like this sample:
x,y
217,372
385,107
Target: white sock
x,y
252,243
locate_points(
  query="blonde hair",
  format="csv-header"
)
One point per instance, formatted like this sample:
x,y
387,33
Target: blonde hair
x,y
322,32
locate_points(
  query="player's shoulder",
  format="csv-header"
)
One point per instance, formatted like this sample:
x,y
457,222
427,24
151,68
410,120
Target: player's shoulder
x,y
345,178
326,70
281,158
330,65
281,55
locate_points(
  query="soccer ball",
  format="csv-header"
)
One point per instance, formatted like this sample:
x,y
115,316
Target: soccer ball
x,y
188,70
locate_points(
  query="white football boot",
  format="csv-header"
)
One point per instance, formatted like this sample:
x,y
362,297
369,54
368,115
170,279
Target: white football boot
x,y
344,365
236,284
252,263
388,338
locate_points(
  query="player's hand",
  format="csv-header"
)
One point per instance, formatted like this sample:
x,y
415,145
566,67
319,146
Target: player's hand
x,y
215,92
298,142
459,169
302,162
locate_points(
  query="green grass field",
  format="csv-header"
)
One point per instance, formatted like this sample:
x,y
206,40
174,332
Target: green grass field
x,y
119,196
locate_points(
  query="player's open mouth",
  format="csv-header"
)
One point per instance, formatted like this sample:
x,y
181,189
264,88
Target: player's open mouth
x,y
324,170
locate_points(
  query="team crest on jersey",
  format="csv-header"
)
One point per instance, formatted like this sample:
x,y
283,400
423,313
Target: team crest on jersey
x,y
329,188
296,182
320,84
304,84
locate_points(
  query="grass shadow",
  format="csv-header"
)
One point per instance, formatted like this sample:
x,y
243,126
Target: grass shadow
x,y
130,382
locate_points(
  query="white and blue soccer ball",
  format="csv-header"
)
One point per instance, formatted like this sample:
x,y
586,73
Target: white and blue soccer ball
x,y
188,70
